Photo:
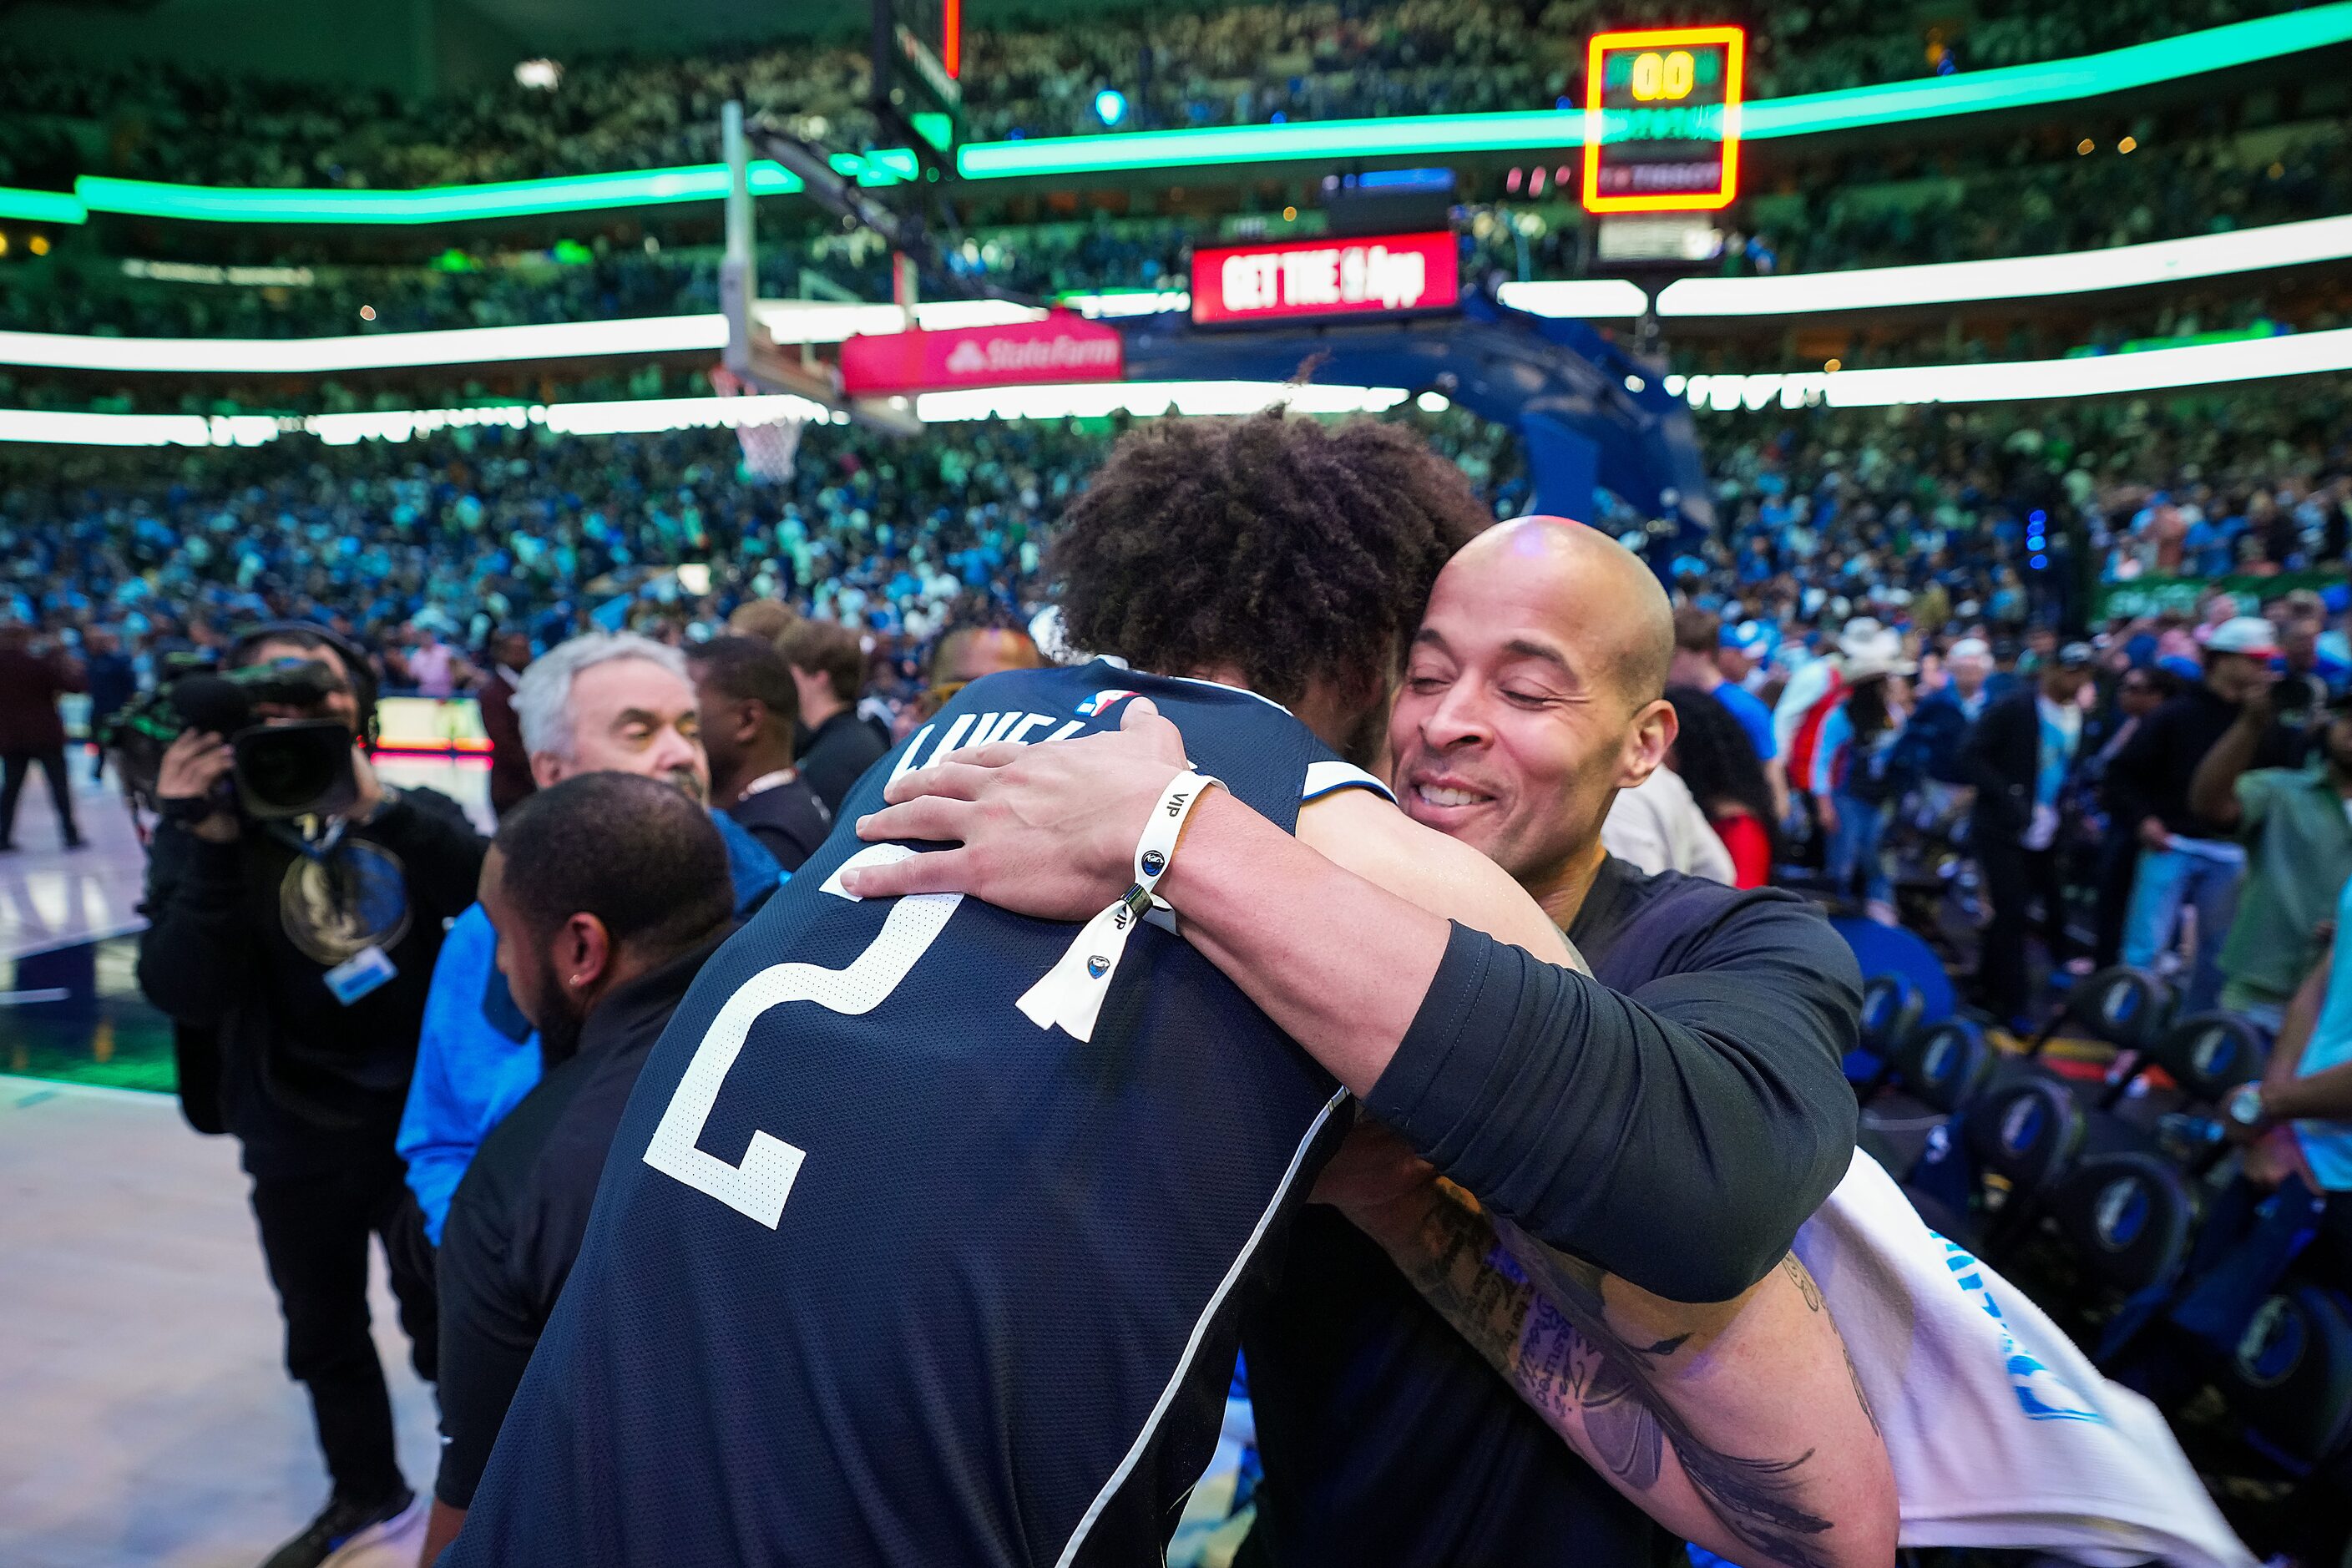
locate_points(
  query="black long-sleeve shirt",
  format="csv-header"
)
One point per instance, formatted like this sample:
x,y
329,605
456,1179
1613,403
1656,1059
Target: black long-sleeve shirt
x,y
1703,1100
1674,1119
241,937
516,1224
2150,776
838,753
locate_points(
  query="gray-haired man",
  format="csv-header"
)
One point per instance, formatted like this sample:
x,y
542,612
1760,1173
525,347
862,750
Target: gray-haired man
x,y
621,703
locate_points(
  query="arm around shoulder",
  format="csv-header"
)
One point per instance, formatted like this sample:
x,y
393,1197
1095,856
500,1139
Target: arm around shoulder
x,y
1710,1108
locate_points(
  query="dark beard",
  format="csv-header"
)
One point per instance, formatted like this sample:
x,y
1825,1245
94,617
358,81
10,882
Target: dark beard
x,y
559,1036
559,1040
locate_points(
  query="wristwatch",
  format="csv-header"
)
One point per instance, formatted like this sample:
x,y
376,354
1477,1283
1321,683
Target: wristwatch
x,y
2244,1105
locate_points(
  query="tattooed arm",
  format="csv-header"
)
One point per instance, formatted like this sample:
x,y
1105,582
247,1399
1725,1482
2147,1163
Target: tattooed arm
x,y
1737,1425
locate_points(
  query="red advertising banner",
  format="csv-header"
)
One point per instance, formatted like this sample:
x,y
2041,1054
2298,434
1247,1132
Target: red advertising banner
x,y
1062,347
1326,278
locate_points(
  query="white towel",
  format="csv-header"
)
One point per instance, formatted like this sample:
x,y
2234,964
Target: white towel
x,y
2002,1433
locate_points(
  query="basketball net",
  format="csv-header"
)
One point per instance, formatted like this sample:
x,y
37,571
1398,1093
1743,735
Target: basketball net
x,y
769,445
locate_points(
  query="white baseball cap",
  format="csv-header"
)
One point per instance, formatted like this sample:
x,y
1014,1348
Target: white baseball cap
x,y
2248,634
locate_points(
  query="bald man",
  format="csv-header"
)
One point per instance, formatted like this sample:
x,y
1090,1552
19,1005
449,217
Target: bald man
x,y
1702,1062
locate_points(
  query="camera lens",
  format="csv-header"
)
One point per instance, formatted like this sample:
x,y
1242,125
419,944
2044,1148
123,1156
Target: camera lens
x,y
290,769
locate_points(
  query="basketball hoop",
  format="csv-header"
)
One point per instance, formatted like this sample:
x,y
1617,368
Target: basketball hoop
x,y
769,445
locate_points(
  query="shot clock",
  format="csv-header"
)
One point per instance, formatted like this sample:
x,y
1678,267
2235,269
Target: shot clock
x,y
1662,119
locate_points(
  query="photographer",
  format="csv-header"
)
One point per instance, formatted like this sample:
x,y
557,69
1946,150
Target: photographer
x,y
294,951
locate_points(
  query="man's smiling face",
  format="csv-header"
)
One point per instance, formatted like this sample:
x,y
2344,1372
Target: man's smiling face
x,y
1525,697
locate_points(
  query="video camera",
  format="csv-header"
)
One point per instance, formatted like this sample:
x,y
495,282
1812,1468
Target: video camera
x,y
299,767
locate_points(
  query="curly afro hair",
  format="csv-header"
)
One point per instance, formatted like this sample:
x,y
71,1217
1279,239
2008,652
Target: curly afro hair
x,y
1282,548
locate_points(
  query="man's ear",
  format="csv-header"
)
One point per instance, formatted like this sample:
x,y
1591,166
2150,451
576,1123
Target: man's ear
x,y
750,714
546,769
584,953
1648,739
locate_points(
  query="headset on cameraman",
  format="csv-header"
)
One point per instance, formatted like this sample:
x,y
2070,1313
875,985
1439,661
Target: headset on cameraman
x,y
357,666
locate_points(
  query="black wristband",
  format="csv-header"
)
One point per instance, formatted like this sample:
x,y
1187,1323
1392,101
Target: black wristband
x,y
188,810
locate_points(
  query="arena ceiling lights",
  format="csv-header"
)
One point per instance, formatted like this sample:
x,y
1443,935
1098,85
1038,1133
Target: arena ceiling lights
x,y
1893,103
380,350
2008,277
791,321
1148,399
2028,380
1587,299
2199,365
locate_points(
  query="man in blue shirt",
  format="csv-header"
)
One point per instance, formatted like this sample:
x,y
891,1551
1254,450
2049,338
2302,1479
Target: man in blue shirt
x,y
2308,1080
620,703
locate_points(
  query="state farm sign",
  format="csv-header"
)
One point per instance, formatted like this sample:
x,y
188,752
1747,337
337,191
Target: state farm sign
x,y
1062,347
1326,278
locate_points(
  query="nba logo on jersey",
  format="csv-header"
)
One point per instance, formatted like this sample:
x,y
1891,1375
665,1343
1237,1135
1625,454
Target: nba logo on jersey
x,y
1101,702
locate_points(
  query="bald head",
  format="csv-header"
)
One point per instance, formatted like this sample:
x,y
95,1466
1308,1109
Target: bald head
x,y
1531,696
1599,596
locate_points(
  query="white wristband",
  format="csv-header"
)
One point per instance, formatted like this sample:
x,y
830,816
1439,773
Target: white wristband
x,y
1070,996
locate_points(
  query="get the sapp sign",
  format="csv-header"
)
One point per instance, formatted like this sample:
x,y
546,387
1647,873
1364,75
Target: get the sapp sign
x,y
1062,347
1326,278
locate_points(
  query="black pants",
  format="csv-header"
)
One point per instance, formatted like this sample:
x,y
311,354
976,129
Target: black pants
x,y
14,767
314,1233
2015,876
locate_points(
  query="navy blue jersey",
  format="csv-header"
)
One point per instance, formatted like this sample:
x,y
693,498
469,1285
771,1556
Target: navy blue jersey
x,y
879,1272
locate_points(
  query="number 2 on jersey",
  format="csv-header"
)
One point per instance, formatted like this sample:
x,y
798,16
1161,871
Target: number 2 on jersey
x,y
759,1186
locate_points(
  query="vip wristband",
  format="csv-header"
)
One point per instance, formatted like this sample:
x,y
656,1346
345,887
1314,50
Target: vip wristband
x,y
1071,994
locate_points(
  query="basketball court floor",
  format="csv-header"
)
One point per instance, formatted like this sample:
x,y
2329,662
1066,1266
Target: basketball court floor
x,y
149,1419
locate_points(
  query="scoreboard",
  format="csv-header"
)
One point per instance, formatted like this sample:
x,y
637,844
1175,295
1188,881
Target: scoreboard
x,y
918,83
1662,119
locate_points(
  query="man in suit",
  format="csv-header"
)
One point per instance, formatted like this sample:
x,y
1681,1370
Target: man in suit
x,y
509,652
2018,757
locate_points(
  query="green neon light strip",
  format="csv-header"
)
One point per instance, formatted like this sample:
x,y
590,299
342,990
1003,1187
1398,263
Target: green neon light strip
x,y
1976,92
2010,86
41,207
451,203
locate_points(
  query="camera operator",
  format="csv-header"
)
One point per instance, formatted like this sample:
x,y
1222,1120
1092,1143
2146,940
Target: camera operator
x,y
298,949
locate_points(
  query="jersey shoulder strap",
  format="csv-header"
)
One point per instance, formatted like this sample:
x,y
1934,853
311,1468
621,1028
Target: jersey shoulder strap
x,y
1261,752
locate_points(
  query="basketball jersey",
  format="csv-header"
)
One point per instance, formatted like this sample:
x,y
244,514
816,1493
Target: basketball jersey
x,y
880,1272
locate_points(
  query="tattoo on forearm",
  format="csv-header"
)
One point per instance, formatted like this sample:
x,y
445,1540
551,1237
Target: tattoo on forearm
x,y
1808,1287
1552,1338
1861,1396
1794,1267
